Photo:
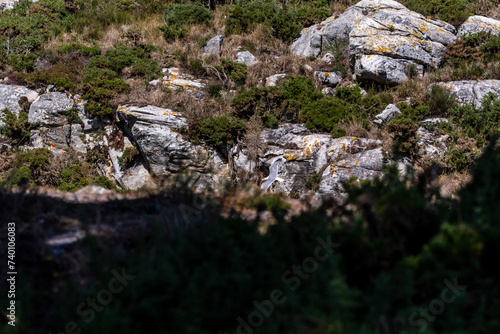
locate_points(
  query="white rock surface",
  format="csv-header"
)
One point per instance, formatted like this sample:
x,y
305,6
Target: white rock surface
x,y
472,91
328,78
387,115
213,46
10,96
50,109
174,79
157,134
274,79
385,70
476,24
430,144
247,58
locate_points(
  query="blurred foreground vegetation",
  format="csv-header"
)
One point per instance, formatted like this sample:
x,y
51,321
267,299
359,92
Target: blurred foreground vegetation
x,y
197,270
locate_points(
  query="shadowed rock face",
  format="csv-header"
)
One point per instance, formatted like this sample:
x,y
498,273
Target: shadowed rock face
x,y
383,28
157,134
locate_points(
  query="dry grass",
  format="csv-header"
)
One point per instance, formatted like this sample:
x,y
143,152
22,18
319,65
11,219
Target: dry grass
x,y
451,184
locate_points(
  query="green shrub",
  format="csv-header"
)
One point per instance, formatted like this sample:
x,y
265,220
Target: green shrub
x,y
313,182
237,72
128,156
16,127
35,158
17,177
285,22
440,101
221,130
73,178
404,132
214,90
187,14
178,17
480,123
104,182
451,11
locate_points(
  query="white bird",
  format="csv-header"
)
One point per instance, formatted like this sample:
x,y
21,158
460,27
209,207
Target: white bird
x,y
273,174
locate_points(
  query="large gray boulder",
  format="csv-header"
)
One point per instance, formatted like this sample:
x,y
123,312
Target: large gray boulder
x,y
213,46
384,28
302,154
471,91
50,109
10,97
476,24
386,70
274,79
157,132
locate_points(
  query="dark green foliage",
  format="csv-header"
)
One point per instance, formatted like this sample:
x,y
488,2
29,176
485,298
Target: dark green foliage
x,y
102,79
104,182
214,90
221,130
84,50
16,127
17,177
187,14
73,178
298,100
285,22
451,11
35,158
25,28
404,135
313,181
479,123
440,101
237,72
178,17
457,159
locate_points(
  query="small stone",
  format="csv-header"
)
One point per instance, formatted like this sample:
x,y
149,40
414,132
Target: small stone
x,y
213,46
387,115
247,58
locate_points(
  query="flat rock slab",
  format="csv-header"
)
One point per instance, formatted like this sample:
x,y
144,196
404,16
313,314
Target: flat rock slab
x,y
174,79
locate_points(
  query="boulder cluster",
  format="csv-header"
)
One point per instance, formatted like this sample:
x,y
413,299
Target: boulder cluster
x,y
387,43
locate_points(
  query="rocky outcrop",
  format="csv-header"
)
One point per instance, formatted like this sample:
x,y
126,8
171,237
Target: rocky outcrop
x,y
303,153
157,133
11,96
472,91
50,109
213,46
476,24
174,79
431,145
386,70
387,115
247,58
384,28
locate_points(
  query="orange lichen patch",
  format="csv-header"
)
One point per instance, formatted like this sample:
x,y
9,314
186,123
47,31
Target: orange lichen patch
x,y
79,101
130,175
54,145
327,74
